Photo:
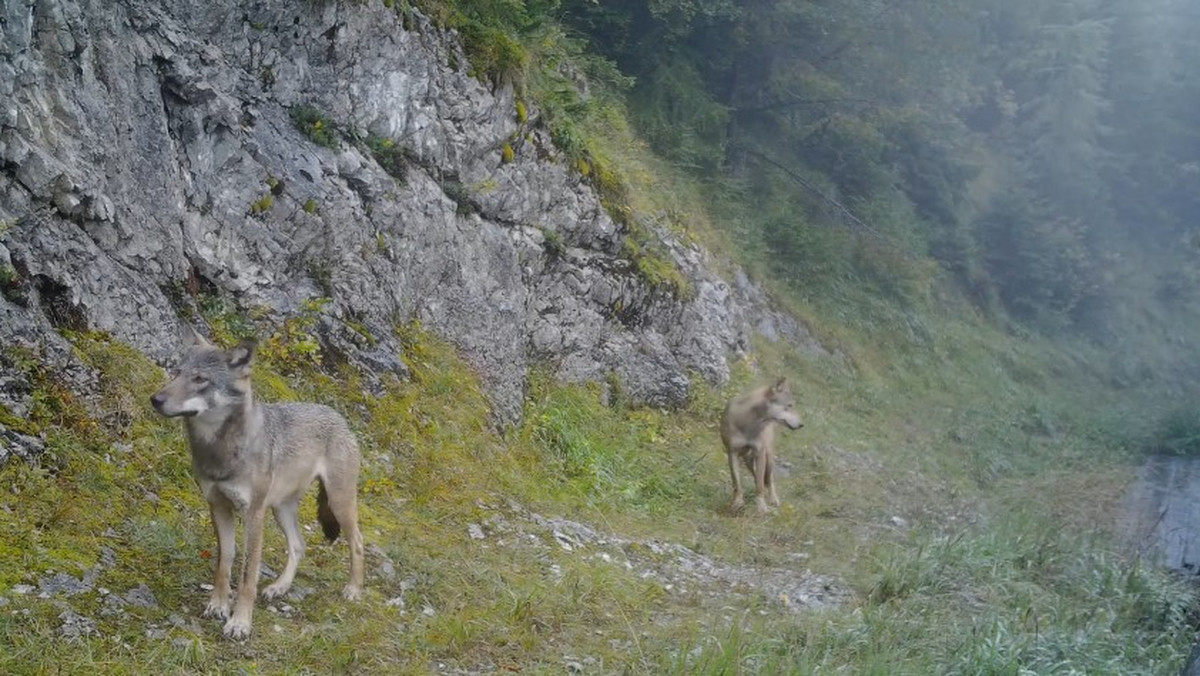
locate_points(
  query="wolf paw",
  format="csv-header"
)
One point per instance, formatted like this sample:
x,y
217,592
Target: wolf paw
x,y
217,608
236,629
274,591
352,592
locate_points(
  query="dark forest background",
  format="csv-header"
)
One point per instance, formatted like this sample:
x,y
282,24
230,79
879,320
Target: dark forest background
x,y
1044,155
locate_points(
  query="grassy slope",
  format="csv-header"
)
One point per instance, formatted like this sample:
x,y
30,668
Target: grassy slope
x,y
1008,562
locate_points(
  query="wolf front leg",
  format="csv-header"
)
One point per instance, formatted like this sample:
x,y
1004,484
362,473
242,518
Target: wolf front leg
x,y
221,512
761,458
737,479
238,625
769,477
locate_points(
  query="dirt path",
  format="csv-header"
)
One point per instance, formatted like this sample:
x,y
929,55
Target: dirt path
x,y
1162,512
683,572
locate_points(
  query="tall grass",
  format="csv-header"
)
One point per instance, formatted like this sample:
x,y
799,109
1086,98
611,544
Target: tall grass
x,y
1015,597
1177,431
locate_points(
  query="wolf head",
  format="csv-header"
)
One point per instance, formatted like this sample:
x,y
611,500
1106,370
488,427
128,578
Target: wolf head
x,y
208,378
780,405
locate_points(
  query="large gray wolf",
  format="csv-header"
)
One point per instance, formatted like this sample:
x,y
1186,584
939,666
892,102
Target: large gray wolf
x,y
748,430
248,456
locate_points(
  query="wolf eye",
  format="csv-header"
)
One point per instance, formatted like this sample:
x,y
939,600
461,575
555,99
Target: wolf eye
x,y
199,380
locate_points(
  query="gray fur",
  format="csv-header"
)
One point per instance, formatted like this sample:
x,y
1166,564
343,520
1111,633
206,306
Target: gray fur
x,y
248,456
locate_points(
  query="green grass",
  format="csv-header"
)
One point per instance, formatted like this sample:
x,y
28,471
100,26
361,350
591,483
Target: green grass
x,y
979,585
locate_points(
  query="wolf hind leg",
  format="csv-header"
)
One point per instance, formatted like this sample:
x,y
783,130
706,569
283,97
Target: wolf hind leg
x,y
337,508
737,480
287,515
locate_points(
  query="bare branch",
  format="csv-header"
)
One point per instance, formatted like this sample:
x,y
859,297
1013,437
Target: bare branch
x,y
791,103
838,208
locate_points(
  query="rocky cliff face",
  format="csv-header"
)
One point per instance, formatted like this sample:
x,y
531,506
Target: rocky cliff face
x,y
149,148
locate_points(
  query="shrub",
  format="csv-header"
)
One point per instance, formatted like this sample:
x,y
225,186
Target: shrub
x,y
293,347
552,243
458,192
315,125
391,156
653,264
263,204
1177,432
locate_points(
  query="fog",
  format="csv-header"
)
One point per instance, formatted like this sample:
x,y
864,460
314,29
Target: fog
x,y
1046,155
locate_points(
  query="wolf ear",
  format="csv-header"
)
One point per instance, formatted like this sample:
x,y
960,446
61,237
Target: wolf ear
x,y
241,355
194,338
780,385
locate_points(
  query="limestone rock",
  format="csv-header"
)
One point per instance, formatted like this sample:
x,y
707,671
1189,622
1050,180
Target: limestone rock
x,y
147,147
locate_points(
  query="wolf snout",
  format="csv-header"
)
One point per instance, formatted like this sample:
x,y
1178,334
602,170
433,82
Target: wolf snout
x,y
161,401
792,420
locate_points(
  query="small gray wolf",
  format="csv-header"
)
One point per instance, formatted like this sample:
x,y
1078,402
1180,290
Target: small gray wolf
x,y
248,456
748,430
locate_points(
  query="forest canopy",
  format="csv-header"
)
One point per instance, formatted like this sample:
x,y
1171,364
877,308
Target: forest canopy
x,y
1045,155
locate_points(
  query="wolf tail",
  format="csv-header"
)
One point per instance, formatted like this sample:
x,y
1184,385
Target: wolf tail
x,y
329,522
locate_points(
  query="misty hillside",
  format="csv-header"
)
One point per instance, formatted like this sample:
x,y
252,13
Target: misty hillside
x,y
529,250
